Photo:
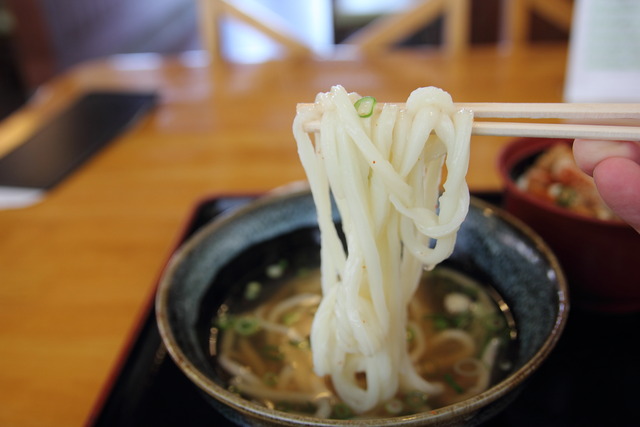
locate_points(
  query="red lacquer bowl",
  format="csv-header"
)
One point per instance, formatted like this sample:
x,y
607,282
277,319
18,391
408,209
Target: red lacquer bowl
x,y
601,258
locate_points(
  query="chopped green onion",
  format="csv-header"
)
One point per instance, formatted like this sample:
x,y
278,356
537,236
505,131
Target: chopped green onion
x,y
272,352
365,106
291,318
448,378
393,406
567,197
275,271
411,334
246,325
341,411
415,399
440,322
252,290
224,322
270,379
301,345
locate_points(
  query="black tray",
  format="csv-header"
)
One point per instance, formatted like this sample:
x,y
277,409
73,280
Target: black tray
x,y
591,378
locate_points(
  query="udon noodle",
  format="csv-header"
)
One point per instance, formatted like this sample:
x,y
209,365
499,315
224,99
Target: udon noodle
x,y
383,168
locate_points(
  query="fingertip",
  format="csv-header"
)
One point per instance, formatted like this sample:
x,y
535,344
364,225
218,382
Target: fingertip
x,y
589,153
618,182
580,156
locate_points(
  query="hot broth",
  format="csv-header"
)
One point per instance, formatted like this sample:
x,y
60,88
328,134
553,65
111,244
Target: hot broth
x,y
459,334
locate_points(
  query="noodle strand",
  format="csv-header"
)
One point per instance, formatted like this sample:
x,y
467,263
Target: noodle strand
x,y
384,174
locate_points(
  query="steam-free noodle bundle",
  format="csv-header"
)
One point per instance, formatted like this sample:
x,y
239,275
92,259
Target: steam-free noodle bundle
x,y
384,172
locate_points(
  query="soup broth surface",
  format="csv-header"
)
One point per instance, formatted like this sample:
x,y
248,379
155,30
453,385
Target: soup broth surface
x,y
459,333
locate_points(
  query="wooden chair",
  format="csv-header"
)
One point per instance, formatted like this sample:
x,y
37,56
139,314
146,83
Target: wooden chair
x,y
515,23
387,30
516,18
251,13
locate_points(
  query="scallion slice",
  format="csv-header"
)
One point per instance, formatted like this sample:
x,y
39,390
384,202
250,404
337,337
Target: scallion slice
x,y
411,334
301,345
289,319
224,322
341,411
365,106
275,271
252,290
448,378
246,325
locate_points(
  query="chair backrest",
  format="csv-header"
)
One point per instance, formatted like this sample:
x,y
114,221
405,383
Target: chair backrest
x,y
516,18
515,23
298,28
388,29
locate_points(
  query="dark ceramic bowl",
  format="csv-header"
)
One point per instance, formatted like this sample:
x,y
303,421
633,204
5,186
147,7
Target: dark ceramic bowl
x,y
599,257
491,245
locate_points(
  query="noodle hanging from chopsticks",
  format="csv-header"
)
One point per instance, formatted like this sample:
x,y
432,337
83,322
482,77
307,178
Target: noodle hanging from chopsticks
x,y
384,172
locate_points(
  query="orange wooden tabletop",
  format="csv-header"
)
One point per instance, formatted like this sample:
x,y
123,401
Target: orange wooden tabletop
x,y
78,269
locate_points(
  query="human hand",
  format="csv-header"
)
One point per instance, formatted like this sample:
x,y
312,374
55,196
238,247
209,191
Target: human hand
x,y
615,167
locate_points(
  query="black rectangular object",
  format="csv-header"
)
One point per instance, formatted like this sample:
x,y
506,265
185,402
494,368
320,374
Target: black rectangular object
x,y
71,138
593,354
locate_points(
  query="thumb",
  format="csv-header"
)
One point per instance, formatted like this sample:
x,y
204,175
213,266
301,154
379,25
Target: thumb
x,y
618,182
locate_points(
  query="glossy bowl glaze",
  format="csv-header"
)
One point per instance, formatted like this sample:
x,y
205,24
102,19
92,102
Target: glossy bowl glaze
x,y
599,257
491,244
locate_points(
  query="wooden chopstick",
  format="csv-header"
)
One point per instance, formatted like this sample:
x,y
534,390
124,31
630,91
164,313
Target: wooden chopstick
x,y
575,111
557,130
582,112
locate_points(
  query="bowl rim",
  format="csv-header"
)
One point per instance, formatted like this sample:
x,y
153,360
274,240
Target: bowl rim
x,y
470,405
520,149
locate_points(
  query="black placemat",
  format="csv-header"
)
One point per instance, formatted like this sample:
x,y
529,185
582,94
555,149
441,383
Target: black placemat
x,y
590,379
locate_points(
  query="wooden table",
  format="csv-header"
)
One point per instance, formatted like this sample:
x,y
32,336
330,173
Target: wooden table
x,y
78,270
